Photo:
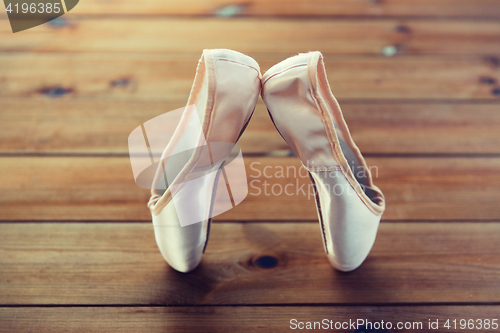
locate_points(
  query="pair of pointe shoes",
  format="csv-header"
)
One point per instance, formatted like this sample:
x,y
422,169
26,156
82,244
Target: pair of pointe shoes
x,y
306,114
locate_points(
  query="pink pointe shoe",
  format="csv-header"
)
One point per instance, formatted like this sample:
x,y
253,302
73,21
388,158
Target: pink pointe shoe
x,y
308,117
222,99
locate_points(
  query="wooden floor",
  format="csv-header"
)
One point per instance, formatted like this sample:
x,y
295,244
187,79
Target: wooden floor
x,y
419,85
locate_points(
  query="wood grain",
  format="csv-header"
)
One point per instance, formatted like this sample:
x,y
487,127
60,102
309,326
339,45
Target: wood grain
x,y
418,81
87,126
229,319
156,77
109,263
103,188
289,36
296,8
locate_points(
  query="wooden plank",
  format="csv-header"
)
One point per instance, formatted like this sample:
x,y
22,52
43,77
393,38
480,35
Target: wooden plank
x,y
109,263
349,36
170,77
444,128
415,188
484,9
84,126
294,8
235,319
102,188
100,126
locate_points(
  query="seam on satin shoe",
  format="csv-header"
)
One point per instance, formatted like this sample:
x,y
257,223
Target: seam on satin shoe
x,y
322,168
320,213
207,235
239,63
211,112
208,167
282,71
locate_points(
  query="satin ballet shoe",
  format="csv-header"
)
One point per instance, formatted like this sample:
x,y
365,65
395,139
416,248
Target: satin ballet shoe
x,y
308,117
222,99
